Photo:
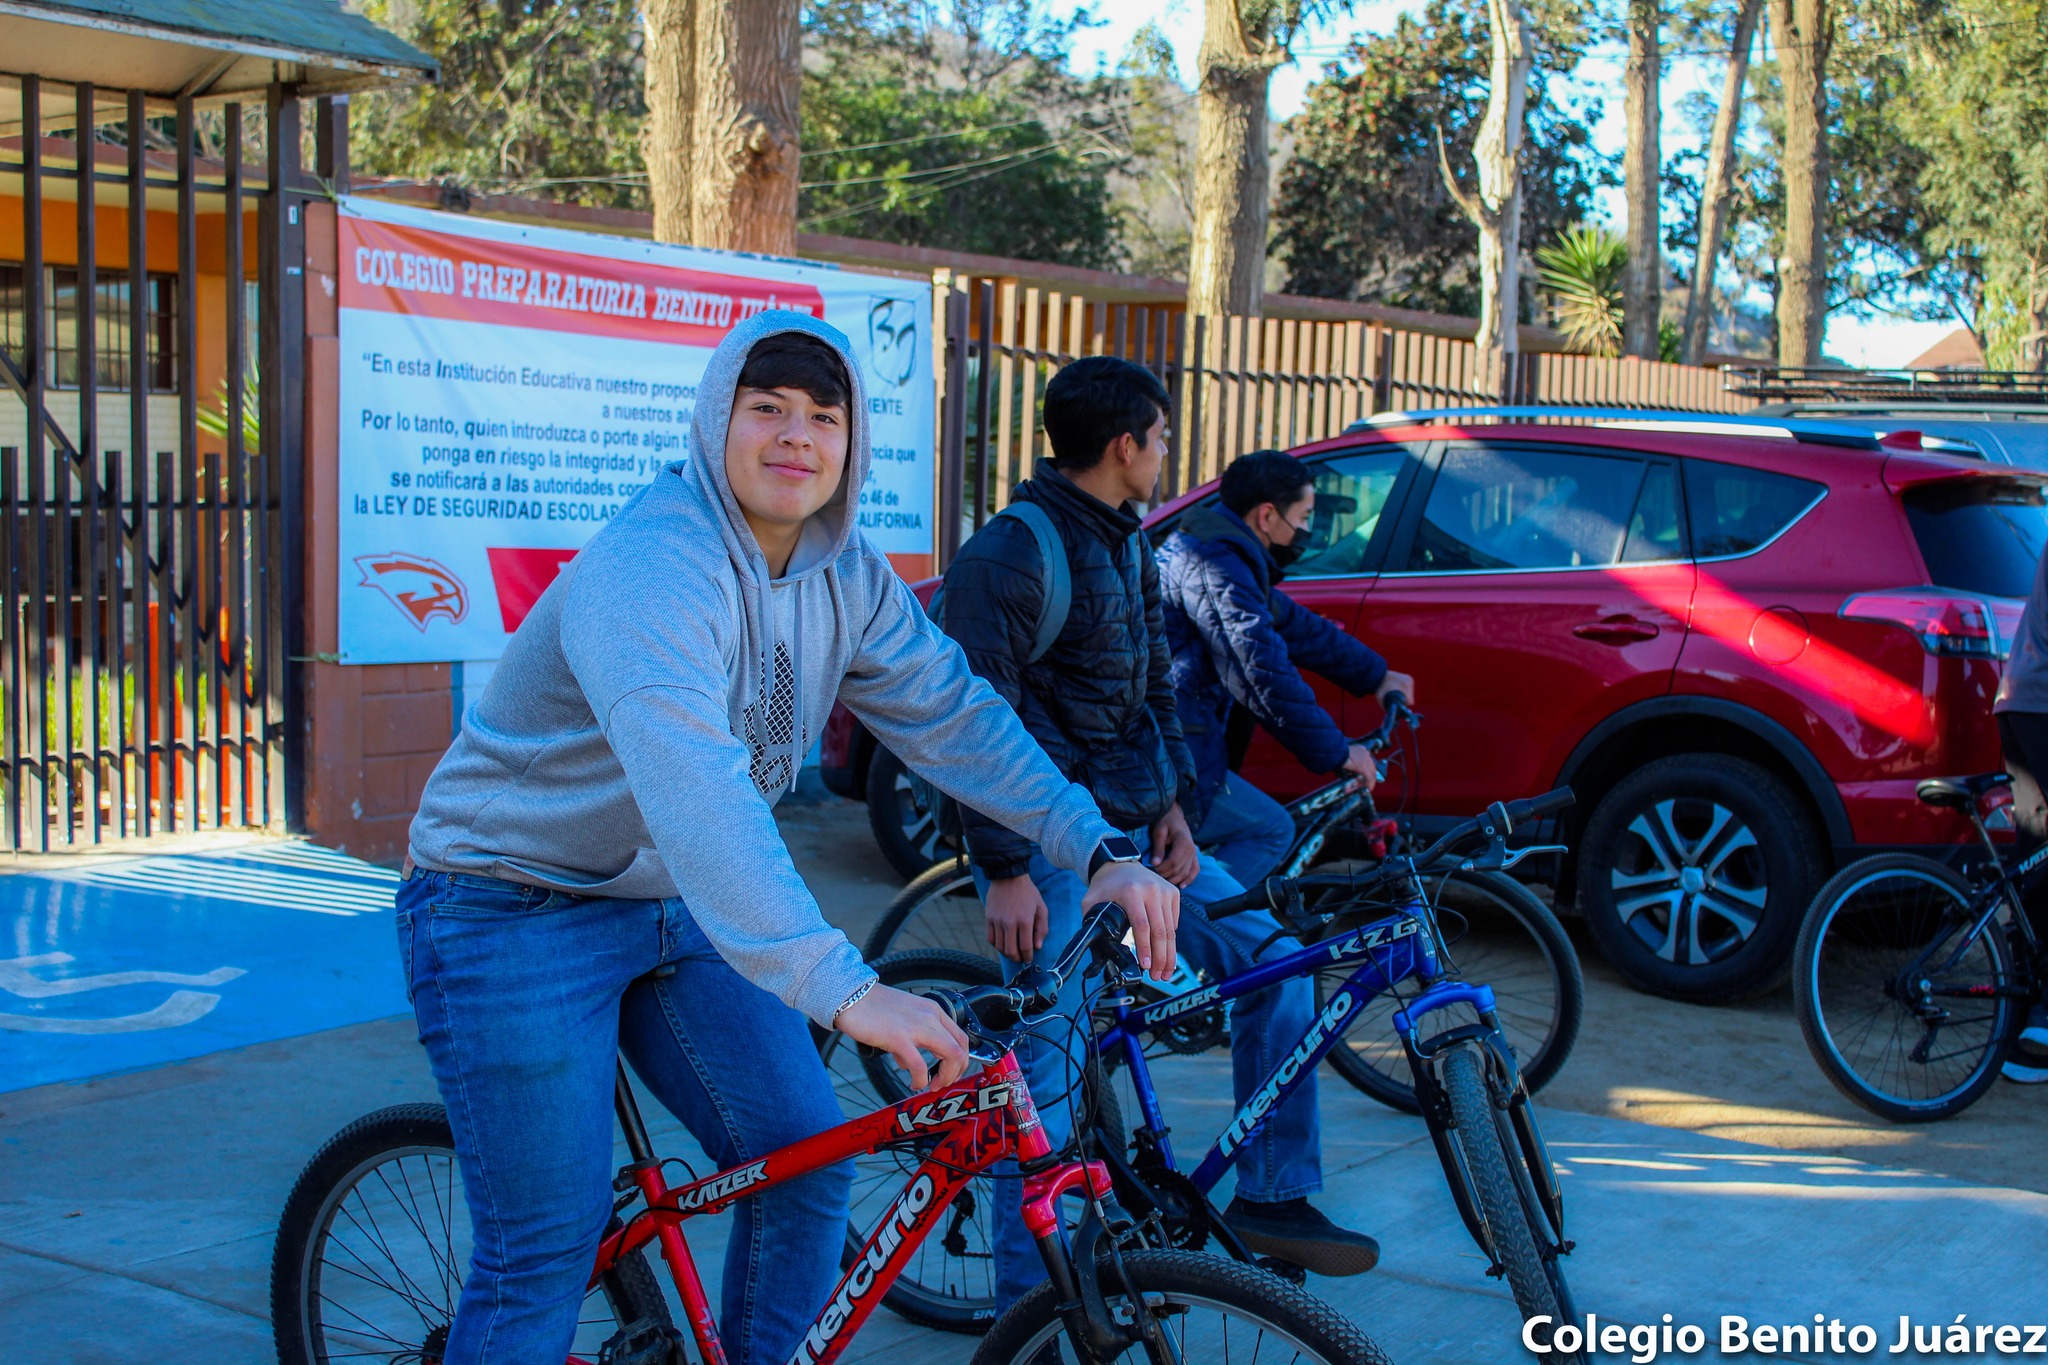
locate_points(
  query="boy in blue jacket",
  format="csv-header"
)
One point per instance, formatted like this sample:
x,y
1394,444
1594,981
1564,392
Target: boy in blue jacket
x,y
1237,642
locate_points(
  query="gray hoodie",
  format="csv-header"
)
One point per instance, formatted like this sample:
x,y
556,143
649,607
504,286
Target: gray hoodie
x,y
627,745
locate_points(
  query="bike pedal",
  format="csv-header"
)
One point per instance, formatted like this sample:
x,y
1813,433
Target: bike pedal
x,y
1286,1270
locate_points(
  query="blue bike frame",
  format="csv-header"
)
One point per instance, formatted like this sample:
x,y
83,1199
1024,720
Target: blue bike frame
x,y
1393,949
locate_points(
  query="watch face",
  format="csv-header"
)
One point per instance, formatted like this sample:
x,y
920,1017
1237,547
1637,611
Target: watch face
x,y
1120,848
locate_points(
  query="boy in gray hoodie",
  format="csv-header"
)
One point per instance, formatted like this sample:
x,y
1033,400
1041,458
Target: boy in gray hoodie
x,y
607,810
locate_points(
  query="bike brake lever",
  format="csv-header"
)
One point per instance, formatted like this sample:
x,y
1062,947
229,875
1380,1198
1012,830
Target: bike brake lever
x,y
1516,855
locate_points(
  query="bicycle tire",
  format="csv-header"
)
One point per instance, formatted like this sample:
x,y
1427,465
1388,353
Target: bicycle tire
x,y
965,1304
1862,928
1514,944
298,1306
1514,1221
1174,1286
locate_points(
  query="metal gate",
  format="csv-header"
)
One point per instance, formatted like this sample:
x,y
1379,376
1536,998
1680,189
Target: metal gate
x,y
150,334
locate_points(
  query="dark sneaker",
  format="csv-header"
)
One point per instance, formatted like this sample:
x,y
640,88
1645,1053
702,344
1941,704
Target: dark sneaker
x,y
2016,1071
2034,1037
1292,1230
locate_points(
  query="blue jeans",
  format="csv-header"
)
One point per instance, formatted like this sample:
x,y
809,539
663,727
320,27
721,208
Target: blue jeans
x,y
525,998
1284,1161
1246,830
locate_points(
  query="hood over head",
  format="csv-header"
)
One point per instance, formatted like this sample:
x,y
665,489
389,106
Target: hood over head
x,y
831,528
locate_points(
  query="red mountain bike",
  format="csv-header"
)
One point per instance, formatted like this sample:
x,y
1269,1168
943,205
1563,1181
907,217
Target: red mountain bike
x,y
374,1240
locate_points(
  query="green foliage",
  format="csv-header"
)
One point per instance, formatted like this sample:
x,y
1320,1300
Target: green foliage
x,y
1582,272
213,417
536,97
1979,109
959,128
1362,212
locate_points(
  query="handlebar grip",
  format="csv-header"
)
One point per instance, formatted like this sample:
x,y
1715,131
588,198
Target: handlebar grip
x,y
1264,896
1394,701
1536,807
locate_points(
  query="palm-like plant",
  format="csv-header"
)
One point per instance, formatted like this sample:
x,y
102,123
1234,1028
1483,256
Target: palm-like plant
x,y
1582,272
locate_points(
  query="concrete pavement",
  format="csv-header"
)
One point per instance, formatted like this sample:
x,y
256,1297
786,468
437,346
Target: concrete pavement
x,y
137,1208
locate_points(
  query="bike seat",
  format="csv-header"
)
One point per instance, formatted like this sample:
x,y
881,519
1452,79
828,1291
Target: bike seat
x,y
1959,793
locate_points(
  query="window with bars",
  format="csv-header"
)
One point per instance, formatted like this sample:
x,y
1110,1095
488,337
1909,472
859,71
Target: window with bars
x,y
110,327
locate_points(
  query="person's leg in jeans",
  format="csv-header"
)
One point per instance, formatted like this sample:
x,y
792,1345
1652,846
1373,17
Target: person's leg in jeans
x,y
1052,1059
1284,1161
1246,831
740,1069
523,1048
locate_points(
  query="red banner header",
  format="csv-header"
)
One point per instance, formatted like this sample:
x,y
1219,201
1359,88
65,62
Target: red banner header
x,y
395,269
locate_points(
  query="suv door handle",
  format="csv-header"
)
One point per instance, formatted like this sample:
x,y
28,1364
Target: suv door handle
x,y
1617,631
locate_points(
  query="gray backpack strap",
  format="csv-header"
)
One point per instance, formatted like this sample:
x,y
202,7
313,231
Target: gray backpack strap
x,y
1059,576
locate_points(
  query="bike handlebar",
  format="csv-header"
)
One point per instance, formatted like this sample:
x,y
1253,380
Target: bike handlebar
x,y
1496,822
1398,712
1036,990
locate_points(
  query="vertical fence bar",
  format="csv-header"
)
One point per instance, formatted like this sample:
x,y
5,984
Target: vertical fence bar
x,y
87,445
984,378
186,593
36,359
281,260
1006,383
137,657
953,428
1027,386
233,654
10,646
62,723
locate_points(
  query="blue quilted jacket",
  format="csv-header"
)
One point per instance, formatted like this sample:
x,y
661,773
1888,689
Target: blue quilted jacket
x,y
1236,640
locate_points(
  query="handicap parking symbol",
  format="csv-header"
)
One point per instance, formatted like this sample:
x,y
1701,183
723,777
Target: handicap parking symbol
x,y
181,1006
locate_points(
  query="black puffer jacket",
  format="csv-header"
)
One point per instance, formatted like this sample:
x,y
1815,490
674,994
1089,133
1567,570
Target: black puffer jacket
x,y
1100,702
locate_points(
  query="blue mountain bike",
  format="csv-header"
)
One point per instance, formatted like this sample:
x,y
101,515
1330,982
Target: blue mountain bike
x,y
1373,936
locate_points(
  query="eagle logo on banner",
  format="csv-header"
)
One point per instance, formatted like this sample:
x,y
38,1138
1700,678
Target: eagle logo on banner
x,y
416,585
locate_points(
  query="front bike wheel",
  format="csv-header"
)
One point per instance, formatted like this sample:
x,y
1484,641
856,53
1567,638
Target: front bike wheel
x,y
1511,942
374,1242
950,1282
1906,1012
1515,1221
1200,1304
938,909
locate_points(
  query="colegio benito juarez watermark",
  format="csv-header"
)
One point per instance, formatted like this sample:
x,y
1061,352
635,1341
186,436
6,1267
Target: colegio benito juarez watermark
x,y
1641,1343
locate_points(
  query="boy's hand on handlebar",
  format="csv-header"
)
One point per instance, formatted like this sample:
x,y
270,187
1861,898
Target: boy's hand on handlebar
x,y
906,1026
1361,762
1150,902
1395,682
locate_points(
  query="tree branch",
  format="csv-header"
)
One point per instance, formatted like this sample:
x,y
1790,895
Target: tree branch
x,y
1467,204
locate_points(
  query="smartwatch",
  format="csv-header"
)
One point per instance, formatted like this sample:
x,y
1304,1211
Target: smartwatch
x,y
1117,848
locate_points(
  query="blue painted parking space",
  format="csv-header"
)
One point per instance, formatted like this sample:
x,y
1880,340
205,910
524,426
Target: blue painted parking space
x,y
138,962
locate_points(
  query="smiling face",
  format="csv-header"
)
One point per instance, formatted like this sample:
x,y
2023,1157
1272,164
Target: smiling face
x,y
785,454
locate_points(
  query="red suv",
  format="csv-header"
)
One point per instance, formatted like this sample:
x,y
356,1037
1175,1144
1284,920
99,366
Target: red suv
x,y
1742,642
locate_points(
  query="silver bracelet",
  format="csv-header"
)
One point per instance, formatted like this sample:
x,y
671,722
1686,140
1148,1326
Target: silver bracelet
x,y
859,994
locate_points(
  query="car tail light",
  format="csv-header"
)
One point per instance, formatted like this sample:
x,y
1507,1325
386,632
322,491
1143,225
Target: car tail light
x,y
1946,622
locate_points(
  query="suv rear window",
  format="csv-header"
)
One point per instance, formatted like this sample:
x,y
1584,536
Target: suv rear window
x,y
1980,535
1734,510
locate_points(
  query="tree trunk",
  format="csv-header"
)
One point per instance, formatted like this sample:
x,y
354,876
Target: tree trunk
x,y
669,48
749,75
1227,250
1803,32
1718,189
1496,210
2033,356
1642,280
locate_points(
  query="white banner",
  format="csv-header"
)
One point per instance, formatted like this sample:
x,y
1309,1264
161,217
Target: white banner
x,y
504,389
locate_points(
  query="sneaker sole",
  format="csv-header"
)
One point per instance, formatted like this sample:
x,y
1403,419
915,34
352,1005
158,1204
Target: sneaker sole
x,y
1334,1259
2013,1071
2036,1035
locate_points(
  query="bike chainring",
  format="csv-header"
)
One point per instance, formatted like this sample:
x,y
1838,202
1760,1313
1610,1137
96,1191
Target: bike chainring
x,y
1196,1032
646,1343
1182,1211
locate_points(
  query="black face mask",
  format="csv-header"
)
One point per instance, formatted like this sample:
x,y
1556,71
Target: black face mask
x,y
1284,555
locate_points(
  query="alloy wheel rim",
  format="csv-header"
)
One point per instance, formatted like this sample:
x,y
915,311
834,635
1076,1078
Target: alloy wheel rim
x,y
1690,882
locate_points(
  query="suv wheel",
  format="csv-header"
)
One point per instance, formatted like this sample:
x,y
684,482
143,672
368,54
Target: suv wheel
x,y
900,811
1694,875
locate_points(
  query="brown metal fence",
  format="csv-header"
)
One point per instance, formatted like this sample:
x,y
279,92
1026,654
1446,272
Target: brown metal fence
x,y
1238,384
149,542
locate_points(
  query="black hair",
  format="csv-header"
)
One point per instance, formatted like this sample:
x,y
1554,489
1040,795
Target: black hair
x,y
1095,400
796,360
1264,476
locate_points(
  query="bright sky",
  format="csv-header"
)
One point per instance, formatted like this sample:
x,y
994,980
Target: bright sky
x,y
1878,342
